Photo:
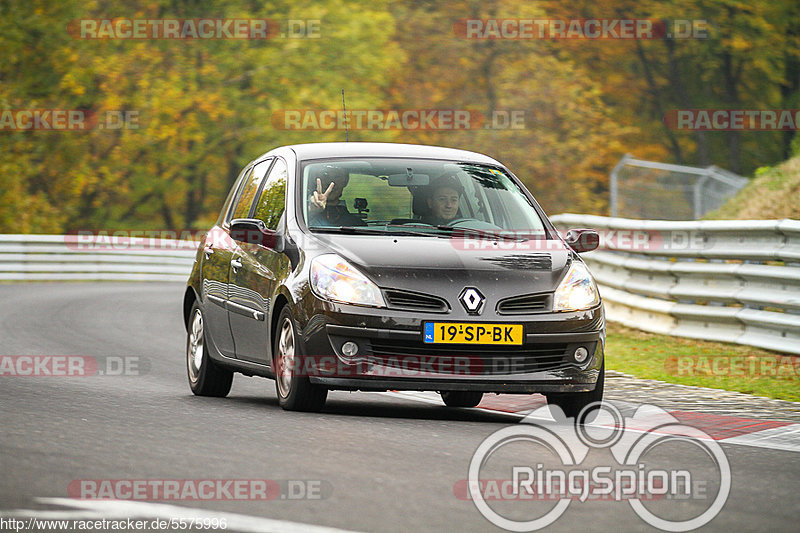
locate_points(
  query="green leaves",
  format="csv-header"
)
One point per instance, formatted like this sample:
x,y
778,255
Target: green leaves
x,y
204,108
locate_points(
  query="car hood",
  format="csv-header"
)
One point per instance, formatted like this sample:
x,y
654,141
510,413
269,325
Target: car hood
x,y
445,266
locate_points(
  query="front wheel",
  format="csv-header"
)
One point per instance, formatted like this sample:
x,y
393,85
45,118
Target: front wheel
x,y
295,392
461,398
206,378
578,403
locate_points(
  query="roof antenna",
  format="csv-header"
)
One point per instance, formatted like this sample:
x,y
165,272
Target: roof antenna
x,y
344,110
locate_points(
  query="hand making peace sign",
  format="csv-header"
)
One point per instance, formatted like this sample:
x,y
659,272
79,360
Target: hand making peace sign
x,y
320,199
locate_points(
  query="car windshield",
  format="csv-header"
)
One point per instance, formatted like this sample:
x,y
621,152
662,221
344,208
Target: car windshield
x,y
413,196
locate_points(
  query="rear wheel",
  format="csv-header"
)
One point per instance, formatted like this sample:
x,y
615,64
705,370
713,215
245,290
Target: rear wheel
x,y
461,398
206,378
575,404
295,392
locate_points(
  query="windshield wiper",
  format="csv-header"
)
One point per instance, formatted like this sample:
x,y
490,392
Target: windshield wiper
x,y
405,229
483,233
402,229
343,229
355,230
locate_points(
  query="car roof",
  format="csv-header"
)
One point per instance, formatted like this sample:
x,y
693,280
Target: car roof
x,y
370,149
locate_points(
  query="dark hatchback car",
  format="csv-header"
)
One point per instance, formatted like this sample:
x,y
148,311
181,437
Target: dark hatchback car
x,y
374,267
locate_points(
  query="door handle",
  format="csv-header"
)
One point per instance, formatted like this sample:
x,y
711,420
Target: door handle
x,y
236,263
208,250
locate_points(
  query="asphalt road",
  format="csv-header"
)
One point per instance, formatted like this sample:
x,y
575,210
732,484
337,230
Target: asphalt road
x,y
380,462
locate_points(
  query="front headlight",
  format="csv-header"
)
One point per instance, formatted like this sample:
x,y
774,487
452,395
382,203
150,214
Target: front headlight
x,y
577,291
333,278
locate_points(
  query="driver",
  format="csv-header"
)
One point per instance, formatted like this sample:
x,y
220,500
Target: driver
x,y
325,207
443,200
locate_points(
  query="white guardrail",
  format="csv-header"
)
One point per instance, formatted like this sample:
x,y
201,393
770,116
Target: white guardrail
x,y
94,258
734,281
723,280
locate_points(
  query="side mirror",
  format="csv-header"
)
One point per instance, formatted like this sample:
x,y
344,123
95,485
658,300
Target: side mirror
x,y
254,231
582,240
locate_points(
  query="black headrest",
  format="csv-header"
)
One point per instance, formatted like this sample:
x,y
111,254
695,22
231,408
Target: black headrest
x,y
448,179
419,205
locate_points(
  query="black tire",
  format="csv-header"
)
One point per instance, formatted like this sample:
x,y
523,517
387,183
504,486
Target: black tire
x,y
206,378
574,403
295,393
461,398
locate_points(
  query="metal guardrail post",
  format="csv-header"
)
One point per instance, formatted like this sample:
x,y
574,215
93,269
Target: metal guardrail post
x,y
613,185
698,197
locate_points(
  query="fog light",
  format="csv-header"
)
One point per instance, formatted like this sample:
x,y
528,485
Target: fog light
x,y
580,354
349,348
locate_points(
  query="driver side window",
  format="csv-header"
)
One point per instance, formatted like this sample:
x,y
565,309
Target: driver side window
x,y
250,189
272,202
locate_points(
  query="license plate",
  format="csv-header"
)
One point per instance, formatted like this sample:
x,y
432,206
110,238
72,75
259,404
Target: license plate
x,y
462,333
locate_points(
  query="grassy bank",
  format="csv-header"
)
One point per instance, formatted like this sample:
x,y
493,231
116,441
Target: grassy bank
x,y
704,364
772,194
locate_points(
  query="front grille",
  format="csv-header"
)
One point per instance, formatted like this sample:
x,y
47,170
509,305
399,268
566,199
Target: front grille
x,y
528,303
414,301
417,356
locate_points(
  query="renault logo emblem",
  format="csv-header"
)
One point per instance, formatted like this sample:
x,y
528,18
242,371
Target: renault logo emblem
x,y
472,300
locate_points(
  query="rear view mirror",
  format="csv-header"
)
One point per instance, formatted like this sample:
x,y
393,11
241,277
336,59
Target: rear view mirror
x,y
409,179
582,240
254,231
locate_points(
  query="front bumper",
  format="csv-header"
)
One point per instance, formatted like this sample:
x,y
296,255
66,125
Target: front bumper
x,y
391,354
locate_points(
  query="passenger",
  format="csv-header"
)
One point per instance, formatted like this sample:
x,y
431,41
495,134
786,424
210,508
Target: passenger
x,y
325,207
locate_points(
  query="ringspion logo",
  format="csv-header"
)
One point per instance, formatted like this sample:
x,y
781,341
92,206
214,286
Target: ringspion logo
x,y
639,469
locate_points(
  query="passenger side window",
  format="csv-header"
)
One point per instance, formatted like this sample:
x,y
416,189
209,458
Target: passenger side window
x,y
250,189
272,202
